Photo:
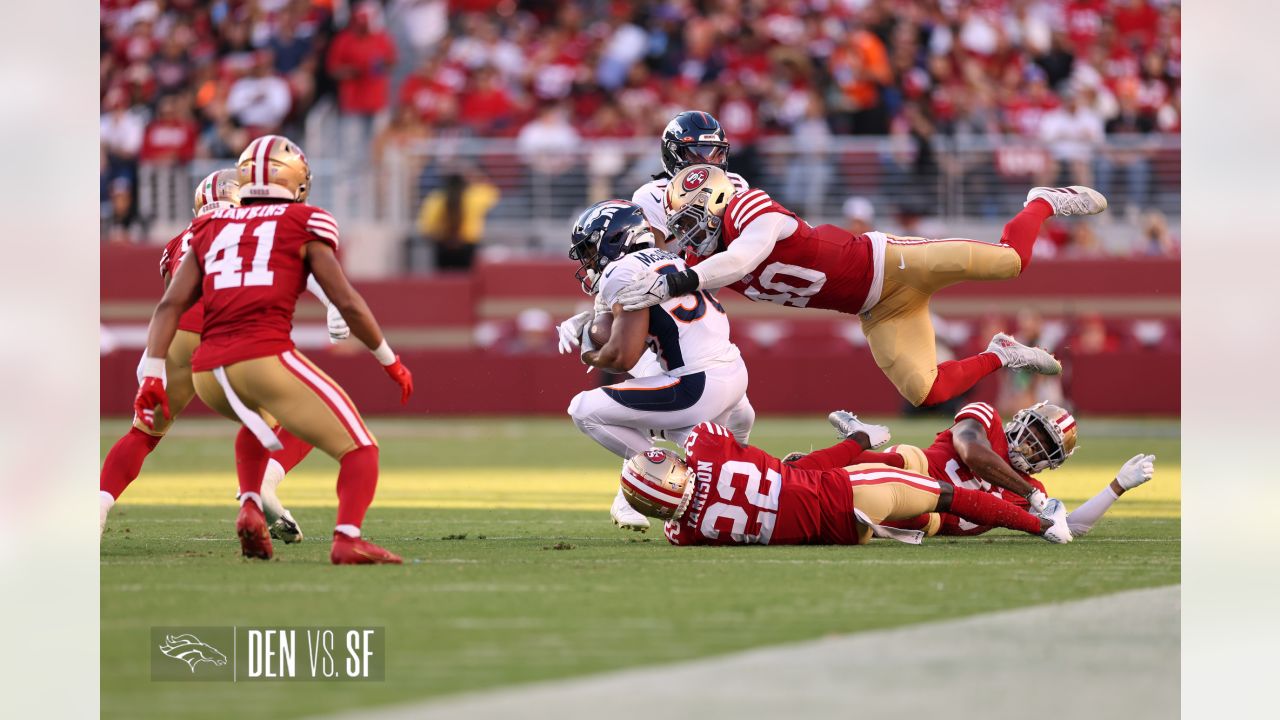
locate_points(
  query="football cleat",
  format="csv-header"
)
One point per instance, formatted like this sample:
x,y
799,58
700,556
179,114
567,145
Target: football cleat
x,y
1017,356
1058,533
286,529
625,516
358,551
1072,200
847,424
251,526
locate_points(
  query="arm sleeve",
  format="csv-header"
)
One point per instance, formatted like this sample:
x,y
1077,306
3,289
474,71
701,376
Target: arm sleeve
x,y
746,252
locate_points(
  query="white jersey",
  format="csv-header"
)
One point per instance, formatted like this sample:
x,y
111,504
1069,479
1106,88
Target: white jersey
x,y
689,334
652,194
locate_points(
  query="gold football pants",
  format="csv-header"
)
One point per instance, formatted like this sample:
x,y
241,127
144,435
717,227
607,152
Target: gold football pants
x,y
891,495
899,329
289,389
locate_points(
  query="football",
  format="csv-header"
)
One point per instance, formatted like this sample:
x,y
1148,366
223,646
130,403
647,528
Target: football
x,y
601,328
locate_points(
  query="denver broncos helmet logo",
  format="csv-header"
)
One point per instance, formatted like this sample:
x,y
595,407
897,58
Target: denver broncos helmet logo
x,y
189,649
694,179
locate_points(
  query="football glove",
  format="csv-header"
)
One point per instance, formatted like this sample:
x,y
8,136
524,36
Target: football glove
x,y
398,372
570,329
338,329
644,291
1139,469
150,394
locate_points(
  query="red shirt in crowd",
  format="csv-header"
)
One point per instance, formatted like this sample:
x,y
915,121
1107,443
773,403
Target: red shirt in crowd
x,y
362,62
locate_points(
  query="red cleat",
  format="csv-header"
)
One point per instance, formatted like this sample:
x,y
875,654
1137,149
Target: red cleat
x,y
357,551
251,526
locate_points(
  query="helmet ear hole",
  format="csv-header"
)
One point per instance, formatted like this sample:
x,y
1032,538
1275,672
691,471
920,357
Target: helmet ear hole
x,y
720,198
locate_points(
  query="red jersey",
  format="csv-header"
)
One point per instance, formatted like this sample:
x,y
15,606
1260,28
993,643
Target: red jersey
x,y
820,267
745,496
251,257
174,251
946,466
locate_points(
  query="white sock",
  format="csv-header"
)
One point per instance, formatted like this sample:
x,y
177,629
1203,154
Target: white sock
x,y
105,501
350,531
246,497
1082,519
271,505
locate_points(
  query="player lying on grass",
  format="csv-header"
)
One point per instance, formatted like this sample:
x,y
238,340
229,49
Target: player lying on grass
x,y
220,189
979,453
727,493
701,374
747,241
249,264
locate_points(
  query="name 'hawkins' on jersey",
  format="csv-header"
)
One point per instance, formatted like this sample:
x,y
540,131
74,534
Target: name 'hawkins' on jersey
x,y
688,334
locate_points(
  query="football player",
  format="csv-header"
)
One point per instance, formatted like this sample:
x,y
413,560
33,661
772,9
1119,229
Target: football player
x,y
746,241
220,189
978,452
249,265
691,138
701,373
726,493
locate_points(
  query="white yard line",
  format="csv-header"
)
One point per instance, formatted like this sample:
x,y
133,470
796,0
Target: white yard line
x,y
1115,656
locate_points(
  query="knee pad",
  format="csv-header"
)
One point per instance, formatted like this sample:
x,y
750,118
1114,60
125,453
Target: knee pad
x,y
913,458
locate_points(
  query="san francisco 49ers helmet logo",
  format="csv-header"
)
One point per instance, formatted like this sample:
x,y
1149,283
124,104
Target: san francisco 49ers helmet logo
x,y
655,455
694,179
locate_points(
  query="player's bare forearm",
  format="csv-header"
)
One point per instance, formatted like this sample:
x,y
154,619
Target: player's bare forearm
x,y
975,452
626,342
328,273
181,292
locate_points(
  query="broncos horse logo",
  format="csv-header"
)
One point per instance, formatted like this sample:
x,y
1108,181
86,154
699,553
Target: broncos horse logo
x,y
190,650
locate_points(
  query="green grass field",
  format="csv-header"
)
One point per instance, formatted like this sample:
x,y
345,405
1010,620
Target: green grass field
x,y
514,573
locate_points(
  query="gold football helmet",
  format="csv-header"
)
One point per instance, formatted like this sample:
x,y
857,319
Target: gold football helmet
x,y
695,202
1041,437
656,483
273,166
219,188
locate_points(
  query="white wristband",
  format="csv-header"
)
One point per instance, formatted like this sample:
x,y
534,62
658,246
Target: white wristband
x,y
153,367
384,353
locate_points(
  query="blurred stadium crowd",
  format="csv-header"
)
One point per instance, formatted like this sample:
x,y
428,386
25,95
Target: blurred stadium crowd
x,y
185,79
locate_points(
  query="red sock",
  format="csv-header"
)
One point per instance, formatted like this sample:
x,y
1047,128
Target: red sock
x,y
842,454
957,376
124,461
357,480
919,522
884,458
251,461
986,509
295,449
1020,233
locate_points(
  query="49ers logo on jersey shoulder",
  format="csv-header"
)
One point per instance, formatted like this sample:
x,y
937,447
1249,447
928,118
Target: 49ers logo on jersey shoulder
x,y
694,180
655,455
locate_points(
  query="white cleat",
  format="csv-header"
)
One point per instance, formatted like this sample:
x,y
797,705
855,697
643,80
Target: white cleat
x,y
625,516
1017,356
1072,200
105,501
846,424
286,529
1058,533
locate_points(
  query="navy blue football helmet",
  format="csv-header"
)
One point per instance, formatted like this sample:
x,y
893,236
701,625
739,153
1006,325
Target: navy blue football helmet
x,y
603,233
693,138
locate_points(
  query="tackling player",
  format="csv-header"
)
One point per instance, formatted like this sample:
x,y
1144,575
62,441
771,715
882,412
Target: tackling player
x,y
979,453
701,373
249,264
691,138
220,189
727,493
746,241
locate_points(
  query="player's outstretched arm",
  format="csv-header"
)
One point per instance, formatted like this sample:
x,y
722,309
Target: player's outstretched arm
x,y
328,273
975,452
625,345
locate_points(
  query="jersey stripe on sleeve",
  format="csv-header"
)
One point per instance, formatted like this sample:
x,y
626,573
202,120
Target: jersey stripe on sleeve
x,y
981,412
750,198
324,226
